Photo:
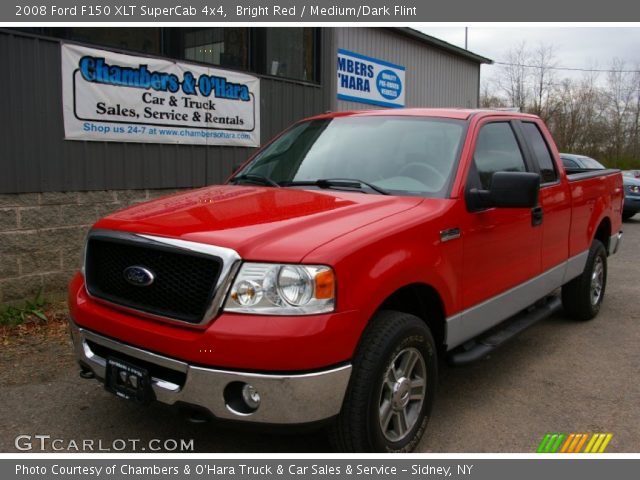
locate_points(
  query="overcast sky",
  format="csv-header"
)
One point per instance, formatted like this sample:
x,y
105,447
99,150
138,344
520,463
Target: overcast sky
x,y
576,47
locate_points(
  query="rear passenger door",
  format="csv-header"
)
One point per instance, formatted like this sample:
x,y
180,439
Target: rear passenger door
x,y
555,197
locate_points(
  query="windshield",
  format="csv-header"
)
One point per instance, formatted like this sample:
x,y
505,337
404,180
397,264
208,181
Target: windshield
x,y
402,155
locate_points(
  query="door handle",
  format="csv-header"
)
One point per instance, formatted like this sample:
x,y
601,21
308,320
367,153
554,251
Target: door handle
x,y
537,215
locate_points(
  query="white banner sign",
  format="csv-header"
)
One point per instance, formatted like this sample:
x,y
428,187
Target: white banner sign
x,y
369,80
122,98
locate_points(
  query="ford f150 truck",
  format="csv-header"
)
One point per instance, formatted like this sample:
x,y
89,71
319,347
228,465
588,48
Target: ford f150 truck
x,y
322,283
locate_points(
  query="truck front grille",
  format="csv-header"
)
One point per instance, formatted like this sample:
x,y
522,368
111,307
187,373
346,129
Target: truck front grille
x,y
184,282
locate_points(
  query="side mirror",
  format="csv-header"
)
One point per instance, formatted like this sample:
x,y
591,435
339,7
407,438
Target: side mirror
x,y
508,190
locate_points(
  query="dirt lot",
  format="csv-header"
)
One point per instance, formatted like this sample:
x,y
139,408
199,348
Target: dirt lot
x,y
558,376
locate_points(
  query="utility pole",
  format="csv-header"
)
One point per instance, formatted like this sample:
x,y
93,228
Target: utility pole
x,y
466,38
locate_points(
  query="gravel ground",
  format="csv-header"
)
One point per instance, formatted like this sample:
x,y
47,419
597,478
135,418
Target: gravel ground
x,y
560,375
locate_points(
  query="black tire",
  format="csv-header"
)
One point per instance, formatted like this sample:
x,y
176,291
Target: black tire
x,y
390,336
579,295
627,215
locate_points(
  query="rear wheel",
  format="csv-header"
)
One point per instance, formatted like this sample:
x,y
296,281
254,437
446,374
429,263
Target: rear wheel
x,y
392,387
582,296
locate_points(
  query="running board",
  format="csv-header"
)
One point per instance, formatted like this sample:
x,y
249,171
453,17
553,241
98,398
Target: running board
x,y
487,343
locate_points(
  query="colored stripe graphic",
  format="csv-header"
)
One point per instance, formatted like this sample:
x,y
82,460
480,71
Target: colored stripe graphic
x,y
591,442
581,443
543,443
551,442
568,442
605,443
556,445
573,443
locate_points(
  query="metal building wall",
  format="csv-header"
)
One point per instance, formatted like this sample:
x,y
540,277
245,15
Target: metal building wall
x,y
434,77
34,157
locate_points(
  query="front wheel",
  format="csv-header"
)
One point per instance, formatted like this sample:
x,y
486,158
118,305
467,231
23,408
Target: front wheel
x,y
582,296
391,392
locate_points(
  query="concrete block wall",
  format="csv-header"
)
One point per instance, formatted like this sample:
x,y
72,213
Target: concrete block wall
x,y
42,236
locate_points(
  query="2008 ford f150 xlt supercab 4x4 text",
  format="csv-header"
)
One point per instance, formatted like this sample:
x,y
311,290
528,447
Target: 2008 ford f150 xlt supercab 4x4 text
x,y
325,279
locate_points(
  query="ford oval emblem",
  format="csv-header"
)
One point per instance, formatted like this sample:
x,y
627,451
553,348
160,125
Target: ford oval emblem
x,y
139,276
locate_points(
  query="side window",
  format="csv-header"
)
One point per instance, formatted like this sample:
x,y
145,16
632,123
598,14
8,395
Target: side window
x,y
497,150
541,151
568,163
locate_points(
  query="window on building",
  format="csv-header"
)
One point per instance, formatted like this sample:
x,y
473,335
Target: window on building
x,y
226,47
541,151
287,52
291,53
145,40
497,150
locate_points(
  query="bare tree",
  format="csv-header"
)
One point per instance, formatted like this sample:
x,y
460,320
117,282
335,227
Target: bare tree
x,y
513,80
594,121
635,140
596,115
489,98
542,73
620,95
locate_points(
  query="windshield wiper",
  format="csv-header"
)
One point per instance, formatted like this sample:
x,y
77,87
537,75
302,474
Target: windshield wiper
x,y
256,178
337,183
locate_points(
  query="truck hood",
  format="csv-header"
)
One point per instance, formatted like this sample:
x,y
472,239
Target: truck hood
x,y
260,223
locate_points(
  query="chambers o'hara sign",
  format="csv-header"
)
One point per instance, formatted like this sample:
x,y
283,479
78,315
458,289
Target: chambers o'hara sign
x,y
110,96
370,80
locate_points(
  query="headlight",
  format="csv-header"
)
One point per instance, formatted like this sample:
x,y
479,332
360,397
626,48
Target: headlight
x,y
633,189
277,289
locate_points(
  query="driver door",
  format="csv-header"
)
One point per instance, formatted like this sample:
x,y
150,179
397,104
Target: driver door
x,y
501,246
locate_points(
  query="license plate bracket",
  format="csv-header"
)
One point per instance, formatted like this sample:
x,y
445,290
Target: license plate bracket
x,y
128,381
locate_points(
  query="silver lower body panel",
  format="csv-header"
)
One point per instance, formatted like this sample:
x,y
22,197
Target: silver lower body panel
x,y
471,322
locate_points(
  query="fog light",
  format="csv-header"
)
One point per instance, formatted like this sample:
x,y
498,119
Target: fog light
x,y
251,396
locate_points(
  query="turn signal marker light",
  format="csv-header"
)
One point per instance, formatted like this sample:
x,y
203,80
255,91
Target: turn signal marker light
x,y
325,285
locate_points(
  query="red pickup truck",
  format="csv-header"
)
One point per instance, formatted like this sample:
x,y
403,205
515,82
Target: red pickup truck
x,y
324,280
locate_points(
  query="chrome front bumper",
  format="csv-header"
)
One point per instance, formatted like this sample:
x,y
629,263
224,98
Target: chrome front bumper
x,y
285,399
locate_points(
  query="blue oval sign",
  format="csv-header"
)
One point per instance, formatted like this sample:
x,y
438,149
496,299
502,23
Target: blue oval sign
x,y
389,84
139,276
